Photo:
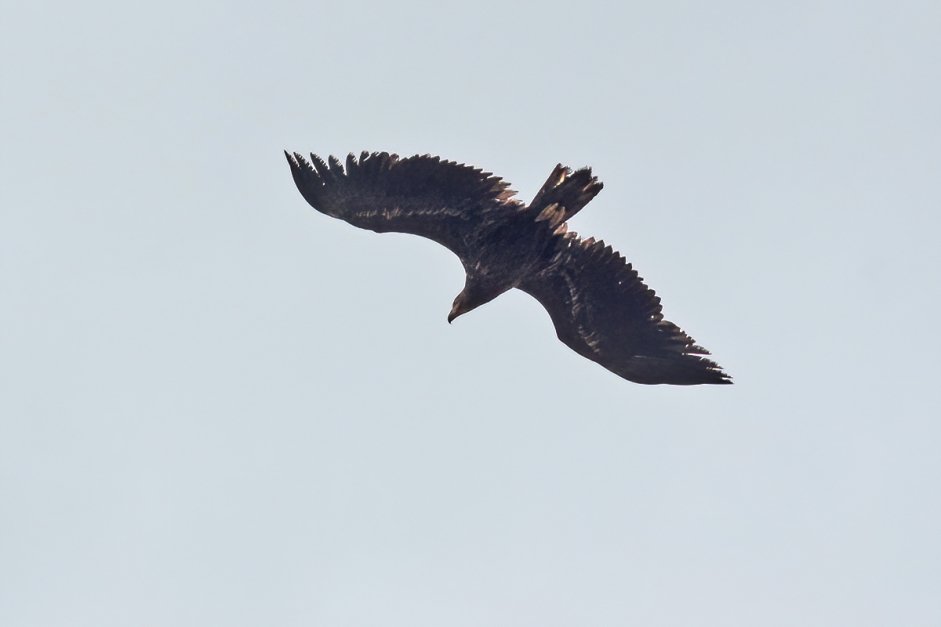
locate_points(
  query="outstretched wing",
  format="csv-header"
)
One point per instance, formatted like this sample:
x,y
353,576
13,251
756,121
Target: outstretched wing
x,y
423,195
601,309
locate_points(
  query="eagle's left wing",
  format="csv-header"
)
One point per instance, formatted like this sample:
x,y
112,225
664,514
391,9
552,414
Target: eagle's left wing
x,y
423,195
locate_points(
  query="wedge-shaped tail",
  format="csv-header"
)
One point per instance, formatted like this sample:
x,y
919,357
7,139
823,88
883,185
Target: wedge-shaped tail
x,y
570,190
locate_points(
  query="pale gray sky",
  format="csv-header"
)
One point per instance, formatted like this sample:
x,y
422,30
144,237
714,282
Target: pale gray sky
x,y
218,407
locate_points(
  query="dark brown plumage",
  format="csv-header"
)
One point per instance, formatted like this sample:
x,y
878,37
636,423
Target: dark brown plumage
x,y
599,305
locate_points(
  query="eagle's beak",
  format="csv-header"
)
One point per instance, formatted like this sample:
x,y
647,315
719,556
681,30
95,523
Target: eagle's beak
x,y
455,312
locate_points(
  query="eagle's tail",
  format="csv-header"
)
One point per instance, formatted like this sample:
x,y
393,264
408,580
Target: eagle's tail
x,y
570,190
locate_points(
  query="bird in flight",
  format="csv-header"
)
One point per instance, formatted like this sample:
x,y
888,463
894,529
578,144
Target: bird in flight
x,y
598,304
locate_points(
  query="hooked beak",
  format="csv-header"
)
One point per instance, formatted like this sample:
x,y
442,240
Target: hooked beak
x,y
455,312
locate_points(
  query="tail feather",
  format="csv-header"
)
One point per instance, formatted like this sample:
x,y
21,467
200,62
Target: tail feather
x,y
570,190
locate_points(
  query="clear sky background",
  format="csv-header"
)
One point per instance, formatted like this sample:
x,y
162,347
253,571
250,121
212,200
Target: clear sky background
x,y
219,407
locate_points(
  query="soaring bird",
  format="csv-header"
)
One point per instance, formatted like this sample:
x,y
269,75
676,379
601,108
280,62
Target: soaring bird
x,y
598,304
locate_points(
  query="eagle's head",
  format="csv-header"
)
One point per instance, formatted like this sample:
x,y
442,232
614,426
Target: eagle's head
x,y
459,307
474,294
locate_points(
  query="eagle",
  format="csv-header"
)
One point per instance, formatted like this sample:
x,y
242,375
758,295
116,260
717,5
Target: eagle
x,y
598,304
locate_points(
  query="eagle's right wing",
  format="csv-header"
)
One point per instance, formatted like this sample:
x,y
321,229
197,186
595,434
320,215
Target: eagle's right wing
x,y
602,310
422,195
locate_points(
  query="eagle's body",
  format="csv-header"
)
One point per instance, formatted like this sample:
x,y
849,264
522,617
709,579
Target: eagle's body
x,y
599,305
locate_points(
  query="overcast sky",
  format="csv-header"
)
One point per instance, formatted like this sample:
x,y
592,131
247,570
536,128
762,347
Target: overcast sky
x,y
219,407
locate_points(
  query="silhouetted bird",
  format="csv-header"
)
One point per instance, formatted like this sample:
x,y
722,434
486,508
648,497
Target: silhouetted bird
x,y
599,305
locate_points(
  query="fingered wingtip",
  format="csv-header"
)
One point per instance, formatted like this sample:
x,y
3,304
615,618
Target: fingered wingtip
x,y
292,161
720,377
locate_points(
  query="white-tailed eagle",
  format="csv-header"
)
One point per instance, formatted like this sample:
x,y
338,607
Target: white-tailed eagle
x,y
599,305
